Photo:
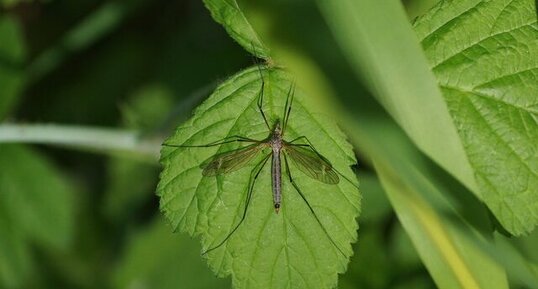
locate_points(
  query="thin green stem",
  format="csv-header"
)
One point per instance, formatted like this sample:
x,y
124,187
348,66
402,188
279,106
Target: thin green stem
x,y
89,138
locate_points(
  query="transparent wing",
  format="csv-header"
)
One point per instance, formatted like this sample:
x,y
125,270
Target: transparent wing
x,y
230,161
312,164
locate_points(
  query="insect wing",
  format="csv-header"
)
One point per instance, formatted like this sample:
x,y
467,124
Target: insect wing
x,y
312,164
230,161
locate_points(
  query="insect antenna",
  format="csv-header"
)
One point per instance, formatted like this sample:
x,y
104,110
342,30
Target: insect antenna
x,y
310,207
252,180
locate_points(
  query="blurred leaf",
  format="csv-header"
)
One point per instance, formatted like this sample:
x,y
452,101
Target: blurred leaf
x,y
289,249
418,7
452,262
11,61
35,207
375,204
14,258
403,251
145,111
415,283
37,200
229,15
518,266
529,246
485,57
95,26
130,184
370,267
156,258
147,108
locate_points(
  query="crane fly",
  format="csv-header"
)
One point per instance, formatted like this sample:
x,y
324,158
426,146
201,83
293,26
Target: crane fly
x,y
299,150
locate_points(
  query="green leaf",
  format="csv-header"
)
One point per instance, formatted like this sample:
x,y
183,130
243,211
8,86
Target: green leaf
x,y
148,107
145,111
269,250
11,58
156,258
124,197
14,257
374,273
375,205
35,205
403,251
485,57
35,197
229,15
518,264
380,44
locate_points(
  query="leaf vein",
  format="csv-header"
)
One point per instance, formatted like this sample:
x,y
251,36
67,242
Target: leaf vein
x,y
479,42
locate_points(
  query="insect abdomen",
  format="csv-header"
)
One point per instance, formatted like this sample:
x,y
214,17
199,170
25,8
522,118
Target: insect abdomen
x,y
276,180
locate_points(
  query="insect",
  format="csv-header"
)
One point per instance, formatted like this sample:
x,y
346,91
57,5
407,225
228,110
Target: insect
x,y
300,151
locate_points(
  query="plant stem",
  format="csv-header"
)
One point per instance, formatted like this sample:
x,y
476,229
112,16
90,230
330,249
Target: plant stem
x,y
82,137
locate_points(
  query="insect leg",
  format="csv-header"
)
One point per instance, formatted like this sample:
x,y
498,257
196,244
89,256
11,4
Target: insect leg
x,y
310,207
260,98
228,139
252,180
300,138
287,106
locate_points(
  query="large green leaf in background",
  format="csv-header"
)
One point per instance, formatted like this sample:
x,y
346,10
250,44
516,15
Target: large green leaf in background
x,y
158,259
36,205
145,111
485,56
269,250
379,43
40,202
14,255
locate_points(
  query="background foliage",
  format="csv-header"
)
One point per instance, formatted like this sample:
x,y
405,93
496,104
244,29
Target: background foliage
x,y
88,217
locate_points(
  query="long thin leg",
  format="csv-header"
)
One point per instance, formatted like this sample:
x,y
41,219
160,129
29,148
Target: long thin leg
x,y
311,146
229,139
287,106
310,207
260,98
252,180
299,138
